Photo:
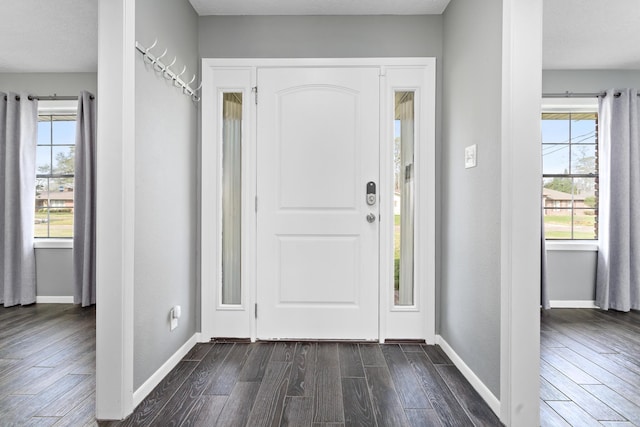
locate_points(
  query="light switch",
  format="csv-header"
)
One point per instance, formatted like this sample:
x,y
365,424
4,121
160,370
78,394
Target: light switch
x,y
470,156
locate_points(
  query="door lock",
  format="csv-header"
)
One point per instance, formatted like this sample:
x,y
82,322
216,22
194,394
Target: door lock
x,y
371,218
371,193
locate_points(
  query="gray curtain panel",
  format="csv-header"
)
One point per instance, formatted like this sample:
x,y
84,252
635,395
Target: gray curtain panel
x,y
18,139
84,214
544,288
618,277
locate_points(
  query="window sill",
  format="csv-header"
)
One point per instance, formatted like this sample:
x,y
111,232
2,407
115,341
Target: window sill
x,y
571,245
53,244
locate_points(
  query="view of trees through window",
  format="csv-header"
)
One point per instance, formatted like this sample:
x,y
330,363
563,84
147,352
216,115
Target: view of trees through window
x,y
55,159
570,175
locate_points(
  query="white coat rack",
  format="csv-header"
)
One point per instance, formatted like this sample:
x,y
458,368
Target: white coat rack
x,y
167,72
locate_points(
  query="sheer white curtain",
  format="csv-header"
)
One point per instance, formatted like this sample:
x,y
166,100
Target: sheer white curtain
x,y
405,112
18,138
84,212
231,197
618,282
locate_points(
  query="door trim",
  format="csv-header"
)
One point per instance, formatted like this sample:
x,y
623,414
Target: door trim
x,y
239,74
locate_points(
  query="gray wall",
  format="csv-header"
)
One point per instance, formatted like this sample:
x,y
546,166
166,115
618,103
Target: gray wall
x,y
587,81
470,266
54,272
319,36
165,200
579,285
53,266
68,84
571,275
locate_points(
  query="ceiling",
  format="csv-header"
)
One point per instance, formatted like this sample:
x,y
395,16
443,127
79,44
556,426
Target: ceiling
x,y
61,35
591,35
48,36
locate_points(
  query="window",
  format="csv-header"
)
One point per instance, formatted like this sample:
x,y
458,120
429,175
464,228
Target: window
x,y
570,175
403,198
55,162
231,197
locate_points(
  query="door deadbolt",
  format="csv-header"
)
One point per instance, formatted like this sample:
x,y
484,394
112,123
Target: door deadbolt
x,y
371,193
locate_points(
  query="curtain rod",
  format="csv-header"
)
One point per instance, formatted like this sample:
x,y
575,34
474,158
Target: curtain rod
x,y
578,95
573,95
50,97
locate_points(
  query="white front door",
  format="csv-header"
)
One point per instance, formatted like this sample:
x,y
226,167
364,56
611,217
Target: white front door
x,y
317,252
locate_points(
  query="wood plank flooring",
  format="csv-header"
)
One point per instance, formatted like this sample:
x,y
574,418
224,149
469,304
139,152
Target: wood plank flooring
x,y
47,365
589,368
313,384
47,378
590,375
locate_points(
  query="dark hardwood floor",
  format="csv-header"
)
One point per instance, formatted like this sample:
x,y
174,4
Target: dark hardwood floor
x,y
590,375
47,365
590,368
313,384
47,377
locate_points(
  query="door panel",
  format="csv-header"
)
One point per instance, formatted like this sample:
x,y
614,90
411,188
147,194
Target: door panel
x,y
317,255
309,142
322,285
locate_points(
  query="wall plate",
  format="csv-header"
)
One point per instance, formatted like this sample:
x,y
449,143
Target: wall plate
x,y
470,156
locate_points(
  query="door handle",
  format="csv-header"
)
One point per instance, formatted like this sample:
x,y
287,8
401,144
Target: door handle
x,y
371,218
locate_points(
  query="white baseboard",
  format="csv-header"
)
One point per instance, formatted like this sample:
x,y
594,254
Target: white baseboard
x,y
148,386
573,304
54,300
476,383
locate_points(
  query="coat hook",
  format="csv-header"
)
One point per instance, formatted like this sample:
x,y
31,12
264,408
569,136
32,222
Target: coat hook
x,y
167,71
194,95
158,58
157,62
186,89
155,42
175,79
145,54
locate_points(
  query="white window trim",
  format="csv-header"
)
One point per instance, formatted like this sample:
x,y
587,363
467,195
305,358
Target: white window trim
x,y
571,245
57,107
52,243
570,105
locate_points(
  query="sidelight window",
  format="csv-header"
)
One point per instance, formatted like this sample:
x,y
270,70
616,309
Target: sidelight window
x,y
231,197
403,198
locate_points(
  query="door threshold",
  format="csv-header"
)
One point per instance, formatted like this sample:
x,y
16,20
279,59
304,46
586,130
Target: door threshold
x,y
404,341
229,340
315,340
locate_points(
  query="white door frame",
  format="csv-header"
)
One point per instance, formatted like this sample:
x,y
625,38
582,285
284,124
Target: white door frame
x,y
240,75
